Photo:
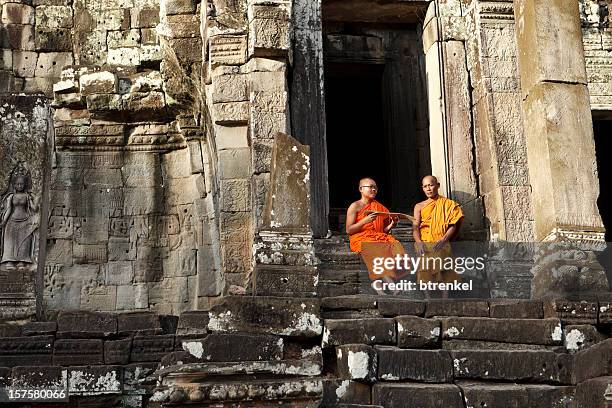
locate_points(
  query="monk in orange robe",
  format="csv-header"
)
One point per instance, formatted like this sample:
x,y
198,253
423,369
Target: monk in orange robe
x,y
436,222
369,234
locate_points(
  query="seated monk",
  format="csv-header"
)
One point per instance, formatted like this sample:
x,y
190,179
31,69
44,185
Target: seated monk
x,y
436,221
368,232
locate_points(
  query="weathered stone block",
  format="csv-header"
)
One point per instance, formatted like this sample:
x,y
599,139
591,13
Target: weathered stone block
x,y
457,307
138,323
345,393
273,280
187,50
262,156
595,361
231,113
417,395
578,337
182,26
170,7
415,332
39,328
82,324
95,380
118,273
514,365
53,17
98,83
24,63
495,395
123,56
231,137
41,377
282,316
516,309
356,362
181,262
593,393
117,351
121,39
68,352
144,17
18,37
15,13
529,331
416,365
151,348
235,347
366,331
269,28
572,311
235,195
26,351
170,288
230,88
227,50
193,323
400,307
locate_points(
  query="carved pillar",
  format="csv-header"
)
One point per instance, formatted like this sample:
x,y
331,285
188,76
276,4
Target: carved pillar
x,y
308,104
560,145
450,122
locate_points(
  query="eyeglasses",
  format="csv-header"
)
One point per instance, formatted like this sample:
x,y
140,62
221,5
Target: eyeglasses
x,y
374,187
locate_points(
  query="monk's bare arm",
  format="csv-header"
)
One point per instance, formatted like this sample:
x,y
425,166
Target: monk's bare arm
x,y
416,230
353,227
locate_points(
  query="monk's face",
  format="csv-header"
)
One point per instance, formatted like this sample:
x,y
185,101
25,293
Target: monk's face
x,y
368,188
430,187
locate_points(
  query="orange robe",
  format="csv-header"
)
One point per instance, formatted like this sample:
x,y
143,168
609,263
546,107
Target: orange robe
x,y
378,244
372,232
436,218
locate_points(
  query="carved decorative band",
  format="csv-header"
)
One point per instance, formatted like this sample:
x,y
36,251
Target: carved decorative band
x,y
497,10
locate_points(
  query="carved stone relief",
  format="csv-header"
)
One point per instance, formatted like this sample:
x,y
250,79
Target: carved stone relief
x,y
594,13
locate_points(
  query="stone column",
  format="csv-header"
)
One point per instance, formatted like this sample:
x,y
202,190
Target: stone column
x,y
559,133
451,132
308,104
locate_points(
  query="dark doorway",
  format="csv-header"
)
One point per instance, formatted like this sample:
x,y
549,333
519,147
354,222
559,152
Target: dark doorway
x,y
356,143
603,146
376,113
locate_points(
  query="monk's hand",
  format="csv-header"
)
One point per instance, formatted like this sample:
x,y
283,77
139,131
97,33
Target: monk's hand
x,y
419,247
369,218
439,245
391,224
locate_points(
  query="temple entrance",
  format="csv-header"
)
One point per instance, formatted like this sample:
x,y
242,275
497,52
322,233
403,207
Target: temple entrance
x,y
602,129
376,113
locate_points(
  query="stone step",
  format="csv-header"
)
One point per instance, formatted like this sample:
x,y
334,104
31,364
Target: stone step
x,y
300,392
223,347
527,331
284,281
517,395
326,289
402,395
292,317
513,365
194,372
594,393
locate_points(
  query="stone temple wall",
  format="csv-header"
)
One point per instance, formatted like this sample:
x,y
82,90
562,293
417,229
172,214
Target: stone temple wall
x,y
164,119
597,40
132,218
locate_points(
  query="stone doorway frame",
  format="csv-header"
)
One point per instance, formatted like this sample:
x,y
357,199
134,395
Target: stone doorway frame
x,y
307,105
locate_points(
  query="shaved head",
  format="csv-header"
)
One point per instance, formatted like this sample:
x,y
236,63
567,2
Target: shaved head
x,y
429,178
366,181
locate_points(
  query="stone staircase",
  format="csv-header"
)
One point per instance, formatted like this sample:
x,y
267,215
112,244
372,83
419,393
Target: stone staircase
x,y
466,353
342,351
341,272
